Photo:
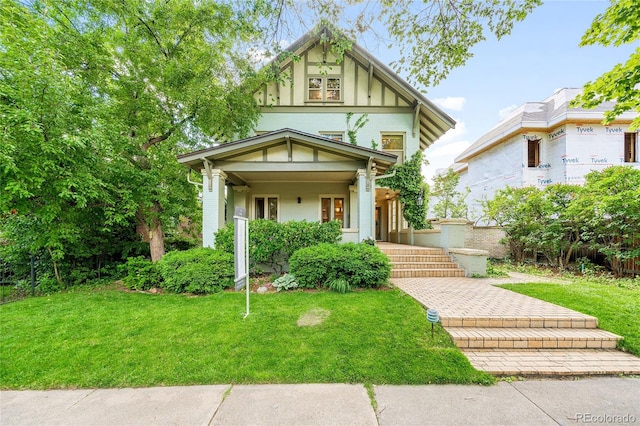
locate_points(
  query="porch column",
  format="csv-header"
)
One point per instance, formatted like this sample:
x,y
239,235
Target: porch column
x,y
212,205
353,206
366,200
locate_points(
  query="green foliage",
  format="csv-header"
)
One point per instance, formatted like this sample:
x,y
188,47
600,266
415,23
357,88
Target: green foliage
x,y
285,282
616,26
437,39
199,271
352,132
272,243
608,213
142,273
97,98
556,221
339,285
413,190
451,203
361,265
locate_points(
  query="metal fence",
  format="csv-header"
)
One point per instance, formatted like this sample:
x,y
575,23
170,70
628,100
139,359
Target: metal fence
x,y
17,280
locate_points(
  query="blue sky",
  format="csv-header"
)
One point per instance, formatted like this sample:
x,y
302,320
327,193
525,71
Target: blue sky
x,y
540,56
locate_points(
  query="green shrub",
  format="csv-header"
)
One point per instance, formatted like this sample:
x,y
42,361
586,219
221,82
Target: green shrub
x,y
285,282
361,265
271,243
199,271
142,274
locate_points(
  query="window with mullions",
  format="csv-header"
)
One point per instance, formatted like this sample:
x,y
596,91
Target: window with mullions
x,y
336,136
324,88
266,208
332,208
394,144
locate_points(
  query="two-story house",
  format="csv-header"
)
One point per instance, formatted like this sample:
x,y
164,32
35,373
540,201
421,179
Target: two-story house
x,y
543,143
300,164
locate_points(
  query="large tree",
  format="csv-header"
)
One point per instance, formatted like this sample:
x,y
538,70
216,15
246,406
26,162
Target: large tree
x,y
126,85
618,25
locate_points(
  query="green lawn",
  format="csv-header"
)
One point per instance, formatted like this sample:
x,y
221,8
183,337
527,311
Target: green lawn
x,y
111,338
617,308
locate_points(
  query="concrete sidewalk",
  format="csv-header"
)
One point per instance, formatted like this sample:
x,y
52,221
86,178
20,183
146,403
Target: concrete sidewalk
x,y
608,400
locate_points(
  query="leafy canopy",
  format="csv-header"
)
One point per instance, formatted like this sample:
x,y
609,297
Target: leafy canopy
x,y
618,25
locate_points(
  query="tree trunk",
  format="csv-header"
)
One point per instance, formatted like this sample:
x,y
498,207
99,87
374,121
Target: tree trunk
x,y
151,234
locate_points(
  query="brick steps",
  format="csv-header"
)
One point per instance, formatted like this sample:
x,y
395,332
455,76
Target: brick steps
x,y
543,321
427,273
420,262
533,338
537,338
425,265
547,362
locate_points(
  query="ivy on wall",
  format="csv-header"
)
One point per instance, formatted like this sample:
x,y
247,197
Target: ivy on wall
x,y
413,189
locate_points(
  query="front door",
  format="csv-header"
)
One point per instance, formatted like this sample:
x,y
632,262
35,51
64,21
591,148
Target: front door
x,y
378,223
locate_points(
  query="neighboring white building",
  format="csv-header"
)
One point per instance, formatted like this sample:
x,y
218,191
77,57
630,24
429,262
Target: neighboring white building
x,y
299,164
544,143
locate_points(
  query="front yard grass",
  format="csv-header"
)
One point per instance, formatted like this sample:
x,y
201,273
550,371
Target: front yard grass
x,y
616,303
111,338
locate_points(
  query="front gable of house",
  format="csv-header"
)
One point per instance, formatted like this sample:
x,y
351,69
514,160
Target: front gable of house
x,y
319,78
320,82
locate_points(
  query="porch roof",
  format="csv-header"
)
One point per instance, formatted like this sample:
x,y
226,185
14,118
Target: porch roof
x,y
349,158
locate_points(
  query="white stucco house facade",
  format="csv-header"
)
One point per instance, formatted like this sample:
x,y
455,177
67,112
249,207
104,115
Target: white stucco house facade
x,y
544,143
299,164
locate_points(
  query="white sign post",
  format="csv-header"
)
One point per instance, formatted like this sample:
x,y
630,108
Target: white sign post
x,y
241,251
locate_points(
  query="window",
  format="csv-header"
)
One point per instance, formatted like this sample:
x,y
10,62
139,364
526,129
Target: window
x,y
533,153
336,136
332,208
266,208
394,144
630,147
324,88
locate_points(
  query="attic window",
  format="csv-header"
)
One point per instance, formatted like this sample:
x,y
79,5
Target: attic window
x,y
630,147
324,88
533,153
336,136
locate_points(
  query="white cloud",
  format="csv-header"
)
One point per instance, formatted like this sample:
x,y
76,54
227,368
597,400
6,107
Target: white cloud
x,y
453,103
506,111
450,150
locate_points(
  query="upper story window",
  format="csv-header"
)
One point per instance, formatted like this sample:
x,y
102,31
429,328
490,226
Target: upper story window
x,y
324,88
336,136
394,144
631,148
533,153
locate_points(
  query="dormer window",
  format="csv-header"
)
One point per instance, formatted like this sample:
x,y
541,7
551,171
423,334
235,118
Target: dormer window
x,y
324,88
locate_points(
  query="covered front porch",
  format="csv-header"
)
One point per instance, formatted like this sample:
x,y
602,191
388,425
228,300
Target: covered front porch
x,y
291,175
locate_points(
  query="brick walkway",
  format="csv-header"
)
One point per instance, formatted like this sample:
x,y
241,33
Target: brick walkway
x,y
506,333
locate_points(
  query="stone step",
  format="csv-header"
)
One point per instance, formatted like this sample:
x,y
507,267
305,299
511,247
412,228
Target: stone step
x,y
419,258
434,273
557,362
545,320
533,338
423,265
